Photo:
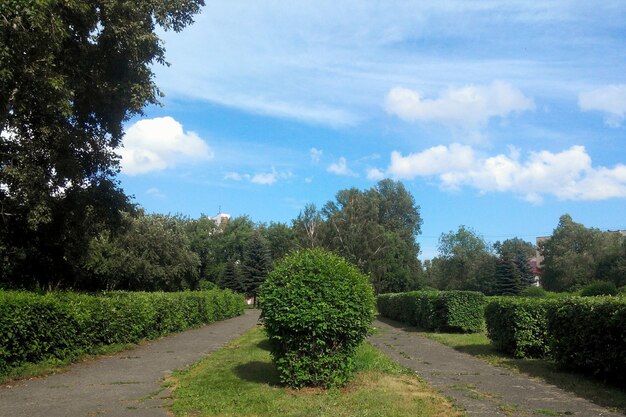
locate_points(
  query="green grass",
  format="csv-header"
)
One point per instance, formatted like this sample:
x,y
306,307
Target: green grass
x,y
594,390
54,366
241,380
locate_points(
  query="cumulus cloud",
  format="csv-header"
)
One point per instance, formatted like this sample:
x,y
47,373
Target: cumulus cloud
x,y
567,175
316,155
610,99
160,143
261,178
341,168
470,107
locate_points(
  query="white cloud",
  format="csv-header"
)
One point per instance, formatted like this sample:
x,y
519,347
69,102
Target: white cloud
x,y
155,192
610,99
375,174
261,178
160,143
316,155
235,176
470,106
330,63
567,175
341,168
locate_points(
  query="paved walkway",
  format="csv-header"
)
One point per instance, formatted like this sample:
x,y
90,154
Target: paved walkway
x,y
127,384
480,388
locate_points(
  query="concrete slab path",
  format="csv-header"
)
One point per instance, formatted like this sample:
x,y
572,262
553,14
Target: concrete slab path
x,y
127,384
475,385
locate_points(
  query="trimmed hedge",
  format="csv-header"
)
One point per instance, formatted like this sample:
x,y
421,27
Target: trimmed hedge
x,y
36,327
450,311
519,326
318,309
589,334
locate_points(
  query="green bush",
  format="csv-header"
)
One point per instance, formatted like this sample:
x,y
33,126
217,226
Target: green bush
x,y
459,311
318,308
519,326
589,334
36,327
450,311
598,288
533,291
399,306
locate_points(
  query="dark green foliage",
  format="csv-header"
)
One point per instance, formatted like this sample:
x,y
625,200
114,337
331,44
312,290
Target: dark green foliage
x,y
575,256
231,278
151,254
533,291
508,279
280,238
256,264
466,262
598,288
399,306
519,326
35,327
71,74
519,252
459,311
318,308
450,311
589,334
374,229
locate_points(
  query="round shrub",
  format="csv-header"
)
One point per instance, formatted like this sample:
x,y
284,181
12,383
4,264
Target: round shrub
x,y
598,288
318,308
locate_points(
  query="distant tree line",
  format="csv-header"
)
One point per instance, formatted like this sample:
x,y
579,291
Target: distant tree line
x,y
573,256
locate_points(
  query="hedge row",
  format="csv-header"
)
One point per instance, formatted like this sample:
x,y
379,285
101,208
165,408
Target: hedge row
x,y
519,326
453,311
36,327
588,334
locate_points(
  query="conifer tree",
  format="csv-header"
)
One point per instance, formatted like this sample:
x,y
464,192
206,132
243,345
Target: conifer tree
x,y
231,278
256,264
507,278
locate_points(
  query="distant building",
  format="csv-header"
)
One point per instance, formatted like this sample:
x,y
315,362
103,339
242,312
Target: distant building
x,y
221,219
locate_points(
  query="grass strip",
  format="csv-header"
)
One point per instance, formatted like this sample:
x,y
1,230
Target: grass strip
x,y
241,380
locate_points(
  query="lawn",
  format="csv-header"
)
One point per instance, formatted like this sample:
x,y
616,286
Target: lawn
x,y
583,386
240,380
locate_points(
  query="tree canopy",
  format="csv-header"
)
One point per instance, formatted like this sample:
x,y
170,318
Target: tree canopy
x,y
374,229
575,255
71,73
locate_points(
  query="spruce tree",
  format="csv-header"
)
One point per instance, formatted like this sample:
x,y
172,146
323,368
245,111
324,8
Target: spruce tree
x,y
527,278
256,264
231,278
507,278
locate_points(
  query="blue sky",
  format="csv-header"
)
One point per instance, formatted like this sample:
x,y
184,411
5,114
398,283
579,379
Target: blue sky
x,y
500,116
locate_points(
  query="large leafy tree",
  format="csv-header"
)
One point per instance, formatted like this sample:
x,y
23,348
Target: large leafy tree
x,y
375,230
574,254
71,73
151,253
281,239
467,261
